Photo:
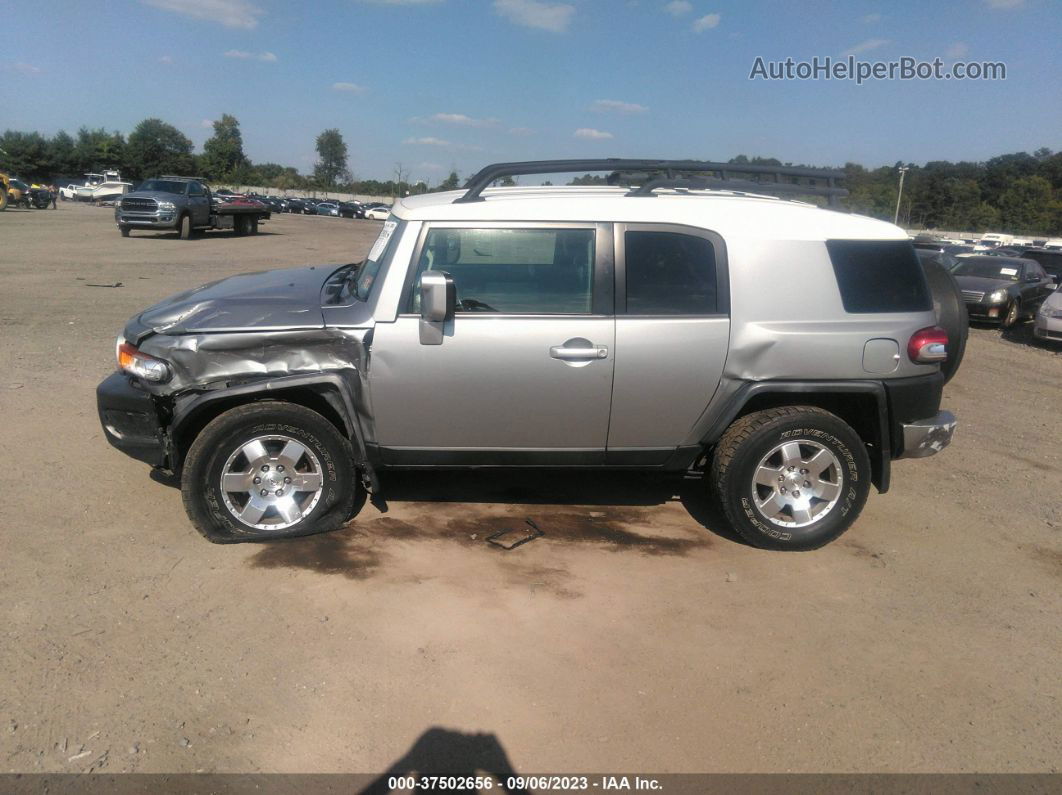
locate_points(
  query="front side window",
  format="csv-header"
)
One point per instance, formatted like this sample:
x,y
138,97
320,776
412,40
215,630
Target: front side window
x,y
669,273
513,271
195,189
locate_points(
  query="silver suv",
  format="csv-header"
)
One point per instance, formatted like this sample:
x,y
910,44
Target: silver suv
x,y
681,318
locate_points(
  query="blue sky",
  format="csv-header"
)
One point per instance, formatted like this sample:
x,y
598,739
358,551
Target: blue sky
x,y
440,83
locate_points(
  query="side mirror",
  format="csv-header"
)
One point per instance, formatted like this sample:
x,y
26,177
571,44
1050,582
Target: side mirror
x,y
438,299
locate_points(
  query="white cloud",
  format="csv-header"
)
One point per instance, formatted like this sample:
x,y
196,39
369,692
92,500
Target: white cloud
x,y
206,124
461,120
865,46
870,19
429,166
166,59
23,68
431,140
678,7
590,134
230,13
1005,3
349,88
707,22
959,49
554,17
402,2
268,57
615,106
521,131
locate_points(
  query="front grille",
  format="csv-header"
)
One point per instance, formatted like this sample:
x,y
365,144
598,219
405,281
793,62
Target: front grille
x,y
137,204
972,296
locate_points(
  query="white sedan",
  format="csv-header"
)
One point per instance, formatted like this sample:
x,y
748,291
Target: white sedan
x,y
378,213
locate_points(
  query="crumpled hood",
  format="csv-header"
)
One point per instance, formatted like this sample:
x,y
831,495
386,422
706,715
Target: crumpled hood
x,y
266,300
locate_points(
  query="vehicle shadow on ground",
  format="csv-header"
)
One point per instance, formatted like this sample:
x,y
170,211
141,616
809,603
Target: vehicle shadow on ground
x,y
559,488
222,235
445,753
1022,334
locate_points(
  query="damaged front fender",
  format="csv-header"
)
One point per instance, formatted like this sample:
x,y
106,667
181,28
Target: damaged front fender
x,y
223,370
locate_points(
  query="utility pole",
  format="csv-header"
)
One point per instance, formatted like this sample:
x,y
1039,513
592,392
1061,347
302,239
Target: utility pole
x,y
896,216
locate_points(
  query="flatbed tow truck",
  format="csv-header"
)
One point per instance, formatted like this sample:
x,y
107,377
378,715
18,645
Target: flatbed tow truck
x,y
186,204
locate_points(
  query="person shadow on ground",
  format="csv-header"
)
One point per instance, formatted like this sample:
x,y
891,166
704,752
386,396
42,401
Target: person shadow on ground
x,y
442,752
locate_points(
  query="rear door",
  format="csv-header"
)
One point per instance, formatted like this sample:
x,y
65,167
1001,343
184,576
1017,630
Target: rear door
x,y
524,371
672,336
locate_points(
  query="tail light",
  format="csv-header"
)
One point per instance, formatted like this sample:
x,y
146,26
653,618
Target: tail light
x,y
928,345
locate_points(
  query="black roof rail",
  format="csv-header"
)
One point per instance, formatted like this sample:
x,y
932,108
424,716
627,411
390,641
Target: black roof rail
x,y
177,176
738,177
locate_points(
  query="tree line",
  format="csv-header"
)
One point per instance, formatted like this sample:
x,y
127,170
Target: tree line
x,y
1017,193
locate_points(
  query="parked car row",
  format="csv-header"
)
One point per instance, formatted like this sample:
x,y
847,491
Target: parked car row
x,y
1005,285
313,206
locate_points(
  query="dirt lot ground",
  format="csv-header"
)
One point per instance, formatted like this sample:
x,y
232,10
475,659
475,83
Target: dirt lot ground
x,y
636,636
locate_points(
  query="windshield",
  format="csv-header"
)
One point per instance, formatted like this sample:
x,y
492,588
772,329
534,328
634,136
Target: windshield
x,y
163,186
367,275
987,269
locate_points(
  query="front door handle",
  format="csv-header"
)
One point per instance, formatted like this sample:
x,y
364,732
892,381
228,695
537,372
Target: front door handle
x,y
578,349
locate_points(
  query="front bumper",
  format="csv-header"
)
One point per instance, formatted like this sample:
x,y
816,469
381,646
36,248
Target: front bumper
x,y
929,436
142,219
130,421
986,313
1048,328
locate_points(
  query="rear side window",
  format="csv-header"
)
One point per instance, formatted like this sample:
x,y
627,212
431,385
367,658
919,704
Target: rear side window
x,y
668,273
879,276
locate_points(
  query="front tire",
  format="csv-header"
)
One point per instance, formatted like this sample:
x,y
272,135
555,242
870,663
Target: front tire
x,y
1013,315
268,470
184,229
791,478
124,230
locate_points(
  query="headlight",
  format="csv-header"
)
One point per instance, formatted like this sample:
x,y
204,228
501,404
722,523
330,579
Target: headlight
x,y
1048,311
998,297
167,206
133,362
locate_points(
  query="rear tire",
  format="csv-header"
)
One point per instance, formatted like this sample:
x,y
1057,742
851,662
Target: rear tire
x,y
791,478
950,310
185,227
219,457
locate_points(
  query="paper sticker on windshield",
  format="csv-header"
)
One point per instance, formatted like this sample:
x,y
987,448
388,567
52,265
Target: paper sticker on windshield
x,y
1009,271
381,242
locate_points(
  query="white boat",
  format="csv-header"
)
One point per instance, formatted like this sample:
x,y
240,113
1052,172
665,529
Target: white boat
x,y
104,187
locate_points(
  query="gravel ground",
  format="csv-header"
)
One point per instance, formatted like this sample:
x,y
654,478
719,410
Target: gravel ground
x,y
637,635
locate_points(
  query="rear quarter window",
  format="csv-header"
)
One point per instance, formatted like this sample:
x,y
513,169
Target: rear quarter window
x,y
879,276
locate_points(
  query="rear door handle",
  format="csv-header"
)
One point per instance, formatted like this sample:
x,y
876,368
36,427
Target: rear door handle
x,y
582,352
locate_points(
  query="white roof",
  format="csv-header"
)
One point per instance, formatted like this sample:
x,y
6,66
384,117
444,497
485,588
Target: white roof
x,y
728,213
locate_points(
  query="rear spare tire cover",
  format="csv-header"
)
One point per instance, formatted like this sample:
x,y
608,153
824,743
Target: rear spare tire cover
x,y
950,309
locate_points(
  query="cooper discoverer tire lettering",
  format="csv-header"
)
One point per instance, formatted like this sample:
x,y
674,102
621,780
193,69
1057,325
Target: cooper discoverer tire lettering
x,y
791,478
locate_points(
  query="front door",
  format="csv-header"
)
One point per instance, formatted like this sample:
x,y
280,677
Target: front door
x,y
524,371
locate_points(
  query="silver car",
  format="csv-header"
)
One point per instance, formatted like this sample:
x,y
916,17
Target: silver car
x,y
678,319
1048,321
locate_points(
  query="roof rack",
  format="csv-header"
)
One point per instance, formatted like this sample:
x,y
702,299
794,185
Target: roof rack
x,y
737,177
